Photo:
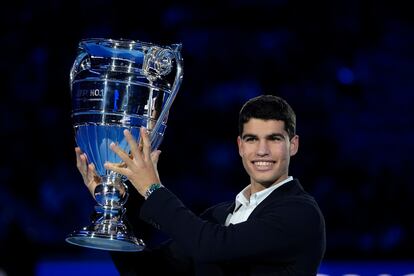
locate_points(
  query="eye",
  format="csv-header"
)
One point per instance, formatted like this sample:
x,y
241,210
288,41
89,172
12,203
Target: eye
x,y
276,138
250,139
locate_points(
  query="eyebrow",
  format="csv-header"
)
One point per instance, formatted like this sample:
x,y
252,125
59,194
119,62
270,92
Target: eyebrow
x,y
247,135
271,135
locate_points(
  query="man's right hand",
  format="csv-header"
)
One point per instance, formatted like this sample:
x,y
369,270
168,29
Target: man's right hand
x,y
88,172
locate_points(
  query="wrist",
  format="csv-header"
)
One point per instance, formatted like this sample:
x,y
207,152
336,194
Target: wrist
x,y
152,188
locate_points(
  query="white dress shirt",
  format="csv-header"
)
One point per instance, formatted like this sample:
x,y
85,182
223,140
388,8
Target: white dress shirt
x,y
244,206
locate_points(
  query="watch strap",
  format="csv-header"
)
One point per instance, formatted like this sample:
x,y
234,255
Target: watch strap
x,y
152,188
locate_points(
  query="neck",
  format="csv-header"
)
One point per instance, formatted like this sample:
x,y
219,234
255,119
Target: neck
x,y
257,187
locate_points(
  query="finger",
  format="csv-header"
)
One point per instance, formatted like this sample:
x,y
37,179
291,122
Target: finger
x,y
79,161
93,178
141,141
155,156
91,171
146,143
82,164
122,154
116,168
131,142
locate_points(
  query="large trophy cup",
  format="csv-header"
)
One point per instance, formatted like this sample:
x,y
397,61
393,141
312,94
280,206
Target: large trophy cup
x,y
117,85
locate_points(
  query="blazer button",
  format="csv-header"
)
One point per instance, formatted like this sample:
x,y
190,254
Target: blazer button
x,y
157,226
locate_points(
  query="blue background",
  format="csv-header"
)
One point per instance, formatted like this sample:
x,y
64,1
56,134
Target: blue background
x,y
346,67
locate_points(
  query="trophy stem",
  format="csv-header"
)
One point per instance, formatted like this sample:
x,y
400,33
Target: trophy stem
x,y
108,230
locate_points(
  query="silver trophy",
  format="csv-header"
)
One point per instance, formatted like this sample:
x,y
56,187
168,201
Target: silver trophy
x,y
117,85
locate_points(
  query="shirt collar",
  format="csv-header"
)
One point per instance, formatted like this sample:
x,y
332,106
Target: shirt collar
x,y
258,197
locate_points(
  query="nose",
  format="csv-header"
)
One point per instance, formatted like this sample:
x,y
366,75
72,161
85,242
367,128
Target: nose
x,y
262,148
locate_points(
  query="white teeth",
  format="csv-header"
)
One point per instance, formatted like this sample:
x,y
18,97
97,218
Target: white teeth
x,y
263,163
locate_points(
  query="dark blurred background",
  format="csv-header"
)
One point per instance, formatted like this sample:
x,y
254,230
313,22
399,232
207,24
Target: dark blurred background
x,y
344,66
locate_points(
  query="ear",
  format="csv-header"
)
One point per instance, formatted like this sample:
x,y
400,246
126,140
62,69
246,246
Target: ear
x,y
294,145
239,144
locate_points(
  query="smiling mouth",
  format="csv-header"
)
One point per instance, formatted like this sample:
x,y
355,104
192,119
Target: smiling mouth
x,y
263,165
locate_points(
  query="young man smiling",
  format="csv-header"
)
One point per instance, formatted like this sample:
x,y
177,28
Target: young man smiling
x,y
273,227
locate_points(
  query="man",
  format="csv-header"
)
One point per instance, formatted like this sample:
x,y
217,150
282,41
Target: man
x,y
272,228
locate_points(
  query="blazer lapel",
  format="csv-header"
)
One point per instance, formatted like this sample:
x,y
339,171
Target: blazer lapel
x,y
290,188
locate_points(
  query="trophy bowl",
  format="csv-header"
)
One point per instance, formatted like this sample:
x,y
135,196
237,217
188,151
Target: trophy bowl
x,y
116,85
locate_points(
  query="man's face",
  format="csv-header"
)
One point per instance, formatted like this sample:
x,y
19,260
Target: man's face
x,y
265,149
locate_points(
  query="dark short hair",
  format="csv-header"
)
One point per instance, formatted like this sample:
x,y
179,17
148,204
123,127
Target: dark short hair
x,y
268,107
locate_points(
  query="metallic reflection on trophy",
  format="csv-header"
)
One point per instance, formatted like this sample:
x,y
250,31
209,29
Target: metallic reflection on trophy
x,y
117,85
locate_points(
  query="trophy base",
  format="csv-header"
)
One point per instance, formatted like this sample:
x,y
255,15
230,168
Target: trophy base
x,y
103,241
108,230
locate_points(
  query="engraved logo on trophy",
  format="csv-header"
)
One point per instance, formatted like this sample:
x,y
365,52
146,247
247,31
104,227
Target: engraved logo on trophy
x,y
117,85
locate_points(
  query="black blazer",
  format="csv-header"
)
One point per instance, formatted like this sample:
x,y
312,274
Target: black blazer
x,y
284,235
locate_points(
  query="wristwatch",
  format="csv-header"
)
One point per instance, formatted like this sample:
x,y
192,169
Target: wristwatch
x,y
152,188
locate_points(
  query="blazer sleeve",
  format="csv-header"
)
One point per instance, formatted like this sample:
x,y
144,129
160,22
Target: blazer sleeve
x,y
281,229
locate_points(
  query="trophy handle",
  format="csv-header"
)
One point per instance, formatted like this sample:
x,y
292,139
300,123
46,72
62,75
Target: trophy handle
x,y
177,82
